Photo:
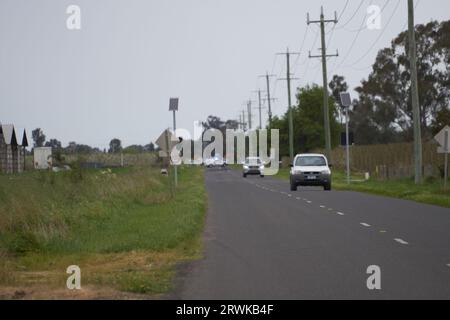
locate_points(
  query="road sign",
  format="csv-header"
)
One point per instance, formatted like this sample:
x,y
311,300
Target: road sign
x,y
443,138
166,141
173,104
346,101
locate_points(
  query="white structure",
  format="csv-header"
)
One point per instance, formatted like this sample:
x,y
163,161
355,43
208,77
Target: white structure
x,y
42,158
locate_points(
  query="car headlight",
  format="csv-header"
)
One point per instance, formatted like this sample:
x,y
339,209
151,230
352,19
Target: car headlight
x,y
261,167
246,167
326,172
296,172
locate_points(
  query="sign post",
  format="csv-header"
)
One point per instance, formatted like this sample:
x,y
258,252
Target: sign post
x,y
173,106
446,160
443,138
346,102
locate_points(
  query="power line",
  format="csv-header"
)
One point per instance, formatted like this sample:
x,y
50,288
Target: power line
x,y
353,16
379,37
301,47
351,46
369,66
377,16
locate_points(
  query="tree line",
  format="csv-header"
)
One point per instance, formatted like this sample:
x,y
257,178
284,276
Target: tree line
x,y
115,146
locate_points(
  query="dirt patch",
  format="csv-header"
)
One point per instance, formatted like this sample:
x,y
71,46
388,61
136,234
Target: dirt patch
x,y
103,276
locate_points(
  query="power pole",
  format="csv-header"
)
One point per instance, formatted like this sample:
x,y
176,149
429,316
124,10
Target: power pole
x,y
244,124
269,100
324,57
291,121
249,114
260,107
415,94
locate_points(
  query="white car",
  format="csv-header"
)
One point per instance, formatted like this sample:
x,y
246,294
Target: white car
x,y
310,170
253,166
216,161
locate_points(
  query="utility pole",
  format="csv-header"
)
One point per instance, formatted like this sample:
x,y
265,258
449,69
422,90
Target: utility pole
x,y
249,114
260,107
324,57
173,106
269,100
415,94
291,121
244,124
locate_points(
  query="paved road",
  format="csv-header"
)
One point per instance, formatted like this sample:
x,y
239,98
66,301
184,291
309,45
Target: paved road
x,y
264,242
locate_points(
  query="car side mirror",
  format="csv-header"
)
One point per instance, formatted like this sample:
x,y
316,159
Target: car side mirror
x,y
291,166
330,166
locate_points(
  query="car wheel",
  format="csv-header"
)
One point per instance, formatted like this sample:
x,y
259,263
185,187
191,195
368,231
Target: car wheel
x,y
327,187
262,176
293,187
244,175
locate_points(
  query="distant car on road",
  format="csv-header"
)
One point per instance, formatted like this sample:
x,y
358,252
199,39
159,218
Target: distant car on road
x,y
310,170
253,166
214,162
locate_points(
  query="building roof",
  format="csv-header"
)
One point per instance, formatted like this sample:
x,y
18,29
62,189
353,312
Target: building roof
x,y
9,134
22,138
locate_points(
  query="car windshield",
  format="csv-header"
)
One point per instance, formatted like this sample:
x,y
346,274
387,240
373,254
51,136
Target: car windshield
x,y
311,161
252,161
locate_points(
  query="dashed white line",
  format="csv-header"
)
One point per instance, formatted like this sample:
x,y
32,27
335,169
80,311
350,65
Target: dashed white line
x,y
323,207
340,213
299,198
308,201
365,224
401,241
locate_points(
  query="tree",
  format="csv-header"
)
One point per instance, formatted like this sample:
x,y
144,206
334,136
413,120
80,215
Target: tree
x,y
54,144
150,147
338,85
115,146
385,96
38,137
442,119
309,132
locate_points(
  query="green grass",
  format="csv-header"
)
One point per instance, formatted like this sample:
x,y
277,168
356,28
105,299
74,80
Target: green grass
x,y
122,227
430,192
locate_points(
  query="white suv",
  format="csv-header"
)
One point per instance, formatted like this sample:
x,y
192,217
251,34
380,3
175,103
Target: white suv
x,y
310,170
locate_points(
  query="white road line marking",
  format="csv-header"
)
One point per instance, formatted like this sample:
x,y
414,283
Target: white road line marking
x,y
289,195
329,209
299,198
401,241
308,201
323,207
448,264
340,213
365,224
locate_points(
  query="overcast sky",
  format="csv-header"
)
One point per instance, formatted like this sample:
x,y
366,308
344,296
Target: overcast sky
x,y
114,77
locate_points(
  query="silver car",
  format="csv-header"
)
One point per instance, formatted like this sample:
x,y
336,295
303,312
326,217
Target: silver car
x,y
253,166
310,170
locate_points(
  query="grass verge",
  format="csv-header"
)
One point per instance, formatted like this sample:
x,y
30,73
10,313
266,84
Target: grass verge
x,y
430,192
122,228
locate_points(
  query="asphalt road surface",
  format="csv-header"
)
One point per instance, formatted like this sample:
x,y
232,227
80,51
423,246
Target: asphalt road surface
x,y
263,241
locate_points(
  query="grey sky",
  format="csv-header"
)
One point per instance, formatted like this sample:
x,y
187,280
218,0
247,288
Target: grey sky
x,y
114,77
